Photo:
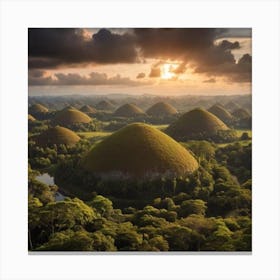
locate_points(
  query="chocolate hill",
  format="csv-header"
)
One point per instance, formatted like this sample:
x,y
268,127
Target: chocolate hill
x,y
194,124
139,150
57,135
70,116
129,110
220,112
161,109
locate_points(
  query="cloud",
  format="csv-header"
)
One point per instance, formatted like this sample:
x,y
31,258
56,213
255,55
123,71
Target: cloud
x,y
155,72
97,79
193,48
54,47
212,80
227,45
234,72
196,49
180,69
141,75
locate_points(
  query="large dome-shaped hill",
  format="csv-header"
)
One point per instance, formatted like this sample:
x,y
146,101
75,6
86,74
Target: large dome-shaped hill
x,y
37,109
195,123
57,135
70,116
220,112
129,110
161,109
139,150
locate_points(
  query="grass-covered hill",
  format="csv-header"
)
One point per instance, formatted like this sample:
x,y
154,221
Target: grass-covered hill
x,y
241,114
71,116
57,135
139,150
31,118
161,109
129,110
194,124
88,109
105,105
37,109
222,113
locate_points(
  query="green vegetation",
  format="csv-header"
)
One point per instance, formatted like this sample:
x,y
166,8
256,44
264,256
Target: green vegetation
x,y
161,195
95,135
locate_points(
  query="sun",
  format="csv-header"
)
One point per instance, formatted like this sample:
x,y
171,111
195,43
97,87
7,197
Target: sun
x,y
166,71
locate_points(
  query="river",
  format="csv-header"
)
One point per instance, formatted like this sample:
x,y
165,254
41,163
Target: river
x,y
49,180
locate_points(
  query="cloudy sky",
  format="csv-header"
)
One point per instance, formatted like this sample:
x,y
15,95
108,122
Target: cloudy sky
x,y
139,61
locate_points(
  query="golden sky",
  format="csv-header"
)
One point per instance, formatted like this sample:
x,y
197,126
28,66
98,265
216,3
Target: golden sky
x,y
140,61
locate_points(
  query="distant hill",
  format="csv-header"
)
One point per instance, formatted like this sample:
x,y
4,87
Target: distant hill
x,y
161,109
70,116
129,110
232,106
105,105
139,150
88,109
37,108
194,124
57,135
222,113
241,114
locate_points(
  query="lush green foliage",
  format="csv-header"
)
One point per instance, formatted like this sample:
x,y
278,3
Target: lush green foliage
x,y
208,210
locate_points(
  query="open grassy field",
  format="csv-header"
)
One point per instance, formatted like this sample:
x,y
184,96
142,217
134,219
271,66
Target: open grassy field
x,y
241,131
96,135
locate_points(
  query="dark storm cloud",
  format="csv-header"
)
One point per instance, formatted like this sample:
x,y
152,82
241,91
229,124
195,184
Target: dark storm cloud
x,y
227,45
53,47
173,42
235,72
237,32
195,48
71,79
141,75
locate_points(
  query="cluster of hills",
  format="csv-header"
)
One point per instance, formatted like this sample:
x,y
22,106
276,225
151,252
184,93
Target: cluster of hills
x,y
139,149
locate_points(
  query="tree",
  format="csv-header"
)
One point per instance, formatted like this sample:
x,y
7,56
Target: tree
x,y
103,242
182,238
192,206
68,241
127,238
65,214
102,205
